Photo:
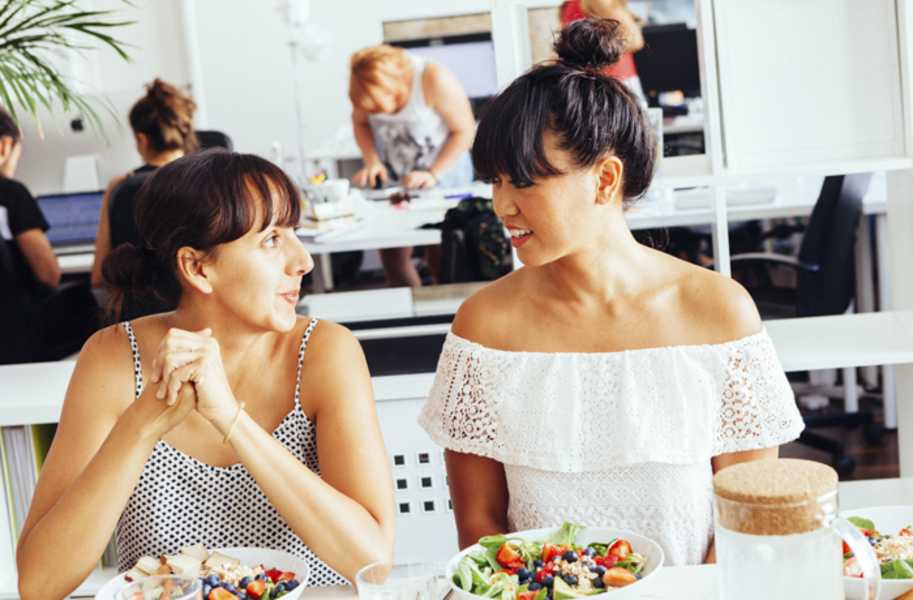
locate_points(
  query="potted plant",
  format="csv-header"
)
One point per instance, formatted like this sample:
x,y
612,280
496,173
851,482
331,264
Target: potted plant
x,y
32,32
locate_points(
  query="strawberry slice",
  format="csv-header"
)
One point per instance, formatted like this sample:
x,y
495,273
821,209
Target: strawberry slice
x,y
256,588
274,575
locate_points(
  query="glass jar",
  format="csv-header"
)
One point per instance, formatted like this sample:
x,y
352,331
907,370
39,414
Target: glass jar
x,y
778,534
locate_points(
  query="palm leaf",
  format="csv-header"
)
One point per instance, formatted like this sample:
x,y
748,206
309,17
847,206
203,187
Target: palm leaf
x,y
29,29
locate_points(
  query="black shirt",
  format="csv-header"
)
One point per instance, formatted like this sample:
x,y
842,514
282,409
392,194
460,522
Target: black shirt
x,y
122,209
19,212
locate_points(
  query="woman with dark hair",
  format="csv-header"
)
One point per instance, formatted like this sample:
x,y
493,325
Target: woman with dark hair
x,y
162,124
228,422
604,382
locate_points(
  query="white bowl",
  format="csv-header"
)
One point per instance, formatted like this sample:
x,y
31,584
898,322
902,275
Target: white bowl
x,y
277,559
650,550
888,520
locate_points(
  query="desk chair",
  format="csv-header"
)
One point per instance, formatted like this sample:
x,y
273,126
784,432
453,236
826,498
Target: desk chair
x,y
824,275
214,139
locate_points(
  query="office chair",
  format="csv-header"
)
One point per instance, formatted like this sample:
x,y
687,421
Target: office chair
x,y
824,276
214,139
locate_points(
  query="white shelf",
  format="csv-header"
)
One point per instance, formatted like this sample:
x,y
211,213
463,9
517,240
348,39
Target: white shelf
x,y
859,340
33,393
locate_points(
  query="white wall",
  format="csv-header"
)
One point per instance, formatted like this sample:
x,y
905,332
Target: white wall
x,y
244,80
157,50
246,68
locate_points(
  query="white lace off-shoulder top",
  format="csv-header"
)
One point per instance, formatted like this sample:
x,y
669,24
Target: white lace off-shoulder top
x,y
615,439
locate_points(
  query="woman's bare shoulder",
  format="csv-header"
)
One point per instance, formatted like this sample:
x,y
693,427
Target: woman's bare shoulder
x,y
720,305
104,371
486,317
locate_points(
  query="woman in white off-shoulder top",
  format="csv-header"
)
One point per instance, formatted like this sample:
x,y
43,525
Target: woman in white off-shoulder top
x,y
604,382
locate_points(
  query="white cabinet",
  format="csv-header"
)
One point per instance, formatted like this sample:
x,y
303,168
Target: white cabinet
x,y
807,82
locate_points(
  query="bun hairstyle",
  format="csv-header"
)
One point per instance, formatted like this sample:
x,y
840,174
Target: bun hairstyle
x,y
593,114
200,200
8,126
165,116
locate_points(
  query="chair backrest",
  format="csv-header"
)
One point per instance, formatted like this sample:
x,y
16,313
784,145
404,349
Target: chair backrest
x,y
827,279
214,139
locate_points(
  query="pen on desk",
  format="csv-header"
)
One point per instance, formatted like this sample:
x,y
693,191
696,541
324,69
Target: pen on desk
x,y
460,196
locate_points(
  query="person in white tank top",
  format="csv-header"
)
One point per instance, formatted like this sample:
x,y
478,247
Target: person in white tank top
x,y
413,124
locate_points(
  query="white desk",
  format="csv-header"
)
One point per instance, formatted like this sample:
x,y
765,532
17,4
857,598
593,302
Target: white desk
x,y
700,582
389,227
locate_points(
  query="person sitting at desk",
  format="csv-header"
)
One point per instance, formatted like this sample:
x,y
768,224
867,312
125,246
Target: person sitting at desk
x,y
28,266
413,123
228,422
162,123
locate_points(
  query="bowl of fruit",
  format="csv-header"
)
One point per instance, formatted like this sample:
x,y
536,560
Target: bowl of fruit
x,y
222,574
555,564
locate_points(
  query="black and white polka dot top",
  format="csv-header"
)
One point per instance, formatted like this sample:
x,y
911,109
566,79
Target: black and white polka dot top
x,y
180,501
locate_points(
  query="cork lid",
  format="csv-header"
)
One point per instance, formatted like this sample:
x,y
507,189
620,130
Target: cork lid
x,y
776,496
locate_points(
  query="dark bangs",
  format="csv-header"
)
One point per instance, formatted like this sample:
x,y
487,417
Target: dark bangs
x,y
211,198
508,140
271,196
591,114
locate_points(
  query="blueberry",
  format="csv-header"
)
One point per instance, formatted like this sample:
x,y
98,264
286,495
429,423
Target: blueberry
x,y
245,582
537,564
230,588
523,574
206,589
213,581
279,589
600,570
570,556
590,551
598,583
569,579
548,580
261,576
535,586
292,584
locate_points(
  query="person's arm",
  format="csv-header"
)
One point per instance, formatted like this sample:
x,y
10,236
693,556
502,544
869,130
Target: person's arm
x,y
103,235
445,94
727,460
373,167
621,12
734,312
38,253
345,514
478,491
93,465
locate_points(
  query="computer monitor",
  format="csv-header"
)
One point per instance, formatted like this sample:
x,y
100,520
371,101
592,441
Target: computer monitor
x,y
73,218
668,61
471,57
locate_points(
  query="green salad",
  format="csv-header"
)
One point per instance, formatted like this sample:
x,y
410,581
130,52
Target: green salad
x,y
555,568
894,552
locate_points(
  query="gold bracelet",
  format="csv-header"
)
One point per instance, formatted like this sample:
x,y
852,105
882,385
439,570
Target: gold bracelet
x,y
233,423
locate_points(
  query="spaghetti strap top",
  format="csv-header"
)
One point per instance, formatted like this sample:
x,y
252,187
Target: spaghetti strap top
x,y
180,501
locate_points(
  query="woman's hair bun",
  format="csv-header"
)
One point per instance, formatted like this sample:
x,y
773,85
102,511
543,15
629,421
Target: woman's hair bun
x,y
591,43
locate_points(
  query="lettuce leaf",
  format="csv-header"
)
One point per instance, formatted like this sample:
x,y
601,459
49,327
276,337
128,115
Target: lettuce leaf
x,y
566,536
862,523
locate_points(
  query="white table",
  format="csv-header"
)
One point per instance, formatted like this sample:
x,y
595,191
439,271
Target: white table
x,y
389,227
700,582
